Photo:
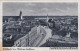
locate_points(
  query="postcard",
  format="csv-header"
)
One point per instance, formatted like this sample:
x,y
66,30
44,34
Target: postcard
x,y
39,25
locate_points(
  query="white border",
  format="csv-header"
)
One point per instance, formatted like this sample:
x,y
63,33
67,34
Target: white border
x,y
44,1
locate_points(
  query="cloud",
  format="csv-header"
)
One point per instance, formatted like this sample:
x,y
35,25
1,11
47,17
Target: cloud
x,y
68,8
31,4
61,10
44,9
30,10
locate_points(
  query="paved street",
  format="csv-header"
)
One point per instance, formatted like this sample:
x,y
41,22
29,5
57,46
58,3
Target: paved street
x,y
42,35
48,34
39,37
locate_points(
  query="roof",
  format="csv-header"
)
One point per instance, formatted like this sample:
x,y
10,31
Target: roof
x,y
14,17
13,26
57,38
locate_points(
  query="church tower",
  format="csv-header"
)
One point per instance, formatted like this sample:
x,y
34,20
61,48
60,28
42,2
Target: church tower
x,y
47,18
21,17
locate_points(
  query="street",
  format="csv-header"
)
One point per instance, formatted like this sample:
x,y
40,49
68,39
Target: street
x,y
48,34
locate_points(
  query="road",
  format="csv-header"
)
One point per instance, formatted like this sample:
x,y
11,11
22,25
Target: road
x,y
40,36
43,34
48,34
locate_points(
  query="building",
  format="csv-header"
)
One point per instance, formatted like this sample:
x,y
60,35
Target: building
x,y
29,40
61,42
51,23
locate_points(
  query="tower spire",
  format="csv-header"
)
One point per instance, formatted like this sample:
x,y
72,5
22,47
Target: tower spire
x,y
21,15
47,18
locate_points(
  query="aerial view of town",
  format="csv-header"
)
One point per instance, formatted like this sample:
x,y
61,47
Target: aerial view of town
x,y
50,27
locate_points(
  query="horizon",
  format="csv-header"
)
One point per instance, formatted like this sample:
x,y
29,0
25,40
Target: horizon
x,y
51,15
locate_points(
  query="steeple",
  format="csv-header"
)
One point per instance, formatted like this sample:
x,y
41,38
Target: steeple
x,y
47,18
21,15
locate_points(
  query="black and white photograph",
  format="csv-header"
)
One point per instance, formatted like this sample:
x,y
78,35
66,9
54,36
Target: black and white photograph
x,y
40,24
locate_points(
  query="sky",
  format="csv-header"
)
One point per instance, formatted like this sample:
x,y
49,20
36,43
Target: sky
x,y
32,9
